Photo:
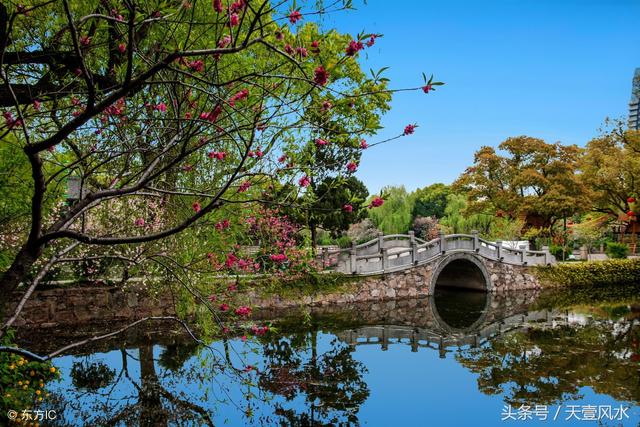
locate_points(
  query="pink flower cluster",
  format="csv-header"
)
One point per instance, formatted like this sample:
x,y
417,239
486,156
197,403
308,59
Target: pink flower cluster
x,y
352,167
219,155
259,330
409,129
294,16
320,76
223,225
243,94
211,116
279,258
321,142
10,121
376,202
353,47
243,311
304,181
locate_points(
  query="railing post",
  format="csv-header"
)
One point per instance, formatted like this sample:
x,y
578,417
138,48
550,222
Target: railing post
x,y
384,259
443,248
522,257
499,250
476,242
380,240
353,260
414,247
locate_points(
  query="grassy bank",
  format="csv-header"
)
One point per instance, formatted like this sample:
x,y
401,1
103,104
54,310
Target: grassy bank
x,y
600,273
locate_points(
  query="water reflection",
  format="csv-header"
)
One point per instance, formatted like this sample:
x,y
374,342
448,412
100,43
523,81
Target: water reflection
x,y
325,367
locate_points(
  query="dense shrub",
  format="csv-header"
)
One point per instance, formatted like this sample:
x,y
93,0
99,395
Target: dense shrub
x,y
610,272
617,250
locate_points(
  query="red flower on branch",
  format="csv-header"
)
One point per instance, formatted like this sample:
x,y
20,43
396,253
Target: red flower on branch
x,y
376,202
409,129
320,76
295,16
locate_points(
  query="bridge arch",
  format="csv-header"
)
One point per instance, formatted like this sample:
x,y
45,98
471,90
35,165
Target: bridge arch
x,y
461,270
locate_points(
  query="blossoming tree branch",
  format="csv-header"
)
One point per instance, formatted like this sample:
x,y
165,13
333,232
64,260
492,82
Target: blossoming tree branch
x,y
135,123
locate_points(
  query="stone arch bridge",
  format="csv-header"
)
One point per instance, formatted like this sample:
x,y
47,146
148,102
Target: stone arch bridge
x,y
402,265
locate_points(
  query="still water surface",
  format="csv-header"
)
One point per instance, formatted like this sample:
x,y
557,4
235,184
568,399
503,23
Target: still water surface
x,y
456,359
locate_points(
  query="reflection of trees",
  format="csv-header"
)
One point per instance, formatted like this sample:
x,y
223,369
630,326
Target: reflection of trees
x,y
551,365
150,402
330,383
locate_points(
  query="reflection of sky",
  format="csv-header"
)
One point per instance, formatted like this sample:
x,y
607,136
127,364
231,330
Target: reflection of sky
x,y
406,388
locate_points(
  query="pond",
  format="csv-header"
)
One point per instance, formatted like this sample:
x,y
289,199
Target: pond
x,y
455,359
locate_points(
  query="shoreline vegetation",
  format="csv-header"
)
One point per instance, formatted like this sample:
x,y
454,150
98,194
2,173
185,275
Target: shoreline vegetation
x,y
595,273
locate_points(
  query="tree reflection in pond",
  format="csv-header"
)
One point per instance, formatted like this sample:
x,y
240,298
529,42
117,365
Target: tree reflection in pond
x,y
550,365
321,368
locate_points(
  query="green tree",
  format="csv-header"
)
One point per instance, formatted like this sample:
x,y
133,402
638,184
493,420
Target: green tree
x,y
431,201
534,180
611,170
455,220
395,215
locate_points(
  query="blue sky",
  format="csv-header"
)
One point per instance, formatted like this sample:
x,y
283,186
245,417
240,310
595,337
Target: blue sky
x,y
548,69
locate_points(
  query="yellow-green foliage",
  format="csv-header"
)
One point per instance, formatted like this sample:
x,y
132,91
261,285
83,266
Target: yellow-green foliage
x,y
610,272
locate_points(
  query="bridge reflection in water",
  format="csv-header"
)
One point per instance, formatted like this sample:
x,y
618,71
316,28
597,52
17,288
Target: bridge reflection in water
x,y
450,319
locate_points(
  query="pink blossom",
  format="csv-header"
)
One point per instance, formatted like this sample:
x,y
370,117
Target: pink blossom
x,y
85,41
230,260
224,41
426,88
243,311
36,105
304,181
243,338
232,288
409,129
326,105
217,5
372,40
139,222
196,66
187,168
196,206
213,298
259,330
353,47
320,142
295,16
279,35
352,167
122,48
320,76
288,49
237,6
224,307
363,144
282,158
302,52
234,20
347,208
244,187
162,107
211,116
315,46
187,115
279,258
243,94
376,202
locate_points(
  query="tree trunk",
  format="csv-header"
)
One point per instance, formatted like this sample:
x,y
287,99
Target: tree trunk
x,y
314,232
18,270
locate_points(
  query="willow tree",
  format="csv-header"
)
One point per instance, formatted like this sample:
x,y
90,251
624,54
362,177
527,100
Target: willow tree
x,y
155,115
